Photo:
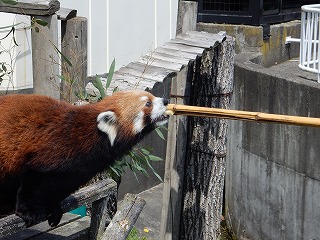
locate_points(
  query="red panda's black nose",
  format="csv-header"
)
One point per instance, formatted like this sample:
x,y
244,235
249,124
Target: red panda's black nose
x,y
165,101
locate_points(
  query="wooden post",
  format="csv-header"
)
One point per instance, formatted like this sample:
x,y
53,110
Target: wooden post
x,y
125,218
187,16
174,165
45,59
212,84
74,48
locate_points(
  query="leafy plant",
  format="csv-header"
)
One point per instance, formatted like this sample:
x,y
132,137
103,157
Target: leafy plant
x,y
134,235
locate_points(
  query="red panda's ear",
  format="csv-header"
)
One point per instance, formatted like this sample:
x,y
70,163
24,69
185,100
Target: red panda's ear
x,y
107,124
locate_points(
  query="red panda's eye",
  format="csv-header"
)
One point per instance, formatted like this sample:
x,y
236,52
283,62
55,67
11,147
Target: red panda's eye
x,y
148,104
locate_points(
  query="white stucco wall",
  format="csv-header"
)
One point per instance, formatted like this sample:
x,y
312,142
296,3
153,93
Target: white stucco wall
x,y
120,29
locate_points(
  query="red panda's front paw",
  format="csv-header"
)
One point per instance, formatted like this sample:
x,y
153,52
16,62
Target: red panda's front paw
x,y
27,217
55,217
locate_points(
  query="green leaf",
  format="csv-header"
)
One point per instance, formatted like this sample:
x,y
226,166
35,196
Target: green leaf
x,y
37,29
154,171
10,2
160,134
110,73
154,158
98,84
62,55
115,171
41,22
145,151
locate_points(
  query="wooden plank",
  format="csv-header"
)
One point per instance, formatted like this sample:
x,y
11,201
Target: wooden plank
x,y
183,48
220,37
32,7
185,55
124,219
66,13
40,228
149,60
89,194
78,229
74,48
174,165
142,70
130,82
45,58
83,196
170,58
185,40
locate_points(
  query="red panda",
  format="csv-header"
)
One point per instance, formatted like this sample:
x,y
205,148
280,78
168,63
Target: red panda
x,y
49,148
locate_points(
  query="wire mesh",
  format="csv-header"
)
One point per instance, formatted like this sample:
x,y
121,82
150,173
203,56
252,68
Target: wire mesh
x,y
226,5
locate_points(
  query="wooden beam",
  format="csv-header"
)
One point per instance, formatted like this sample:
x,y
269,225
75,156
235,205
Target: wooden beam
x,y
125,218
83,196
31,7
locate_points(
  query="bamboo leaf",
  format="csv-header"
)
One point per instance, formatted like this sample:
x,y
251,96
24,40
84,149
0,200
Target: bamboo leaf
x,y
98,84
154,171
160,134
110,73
145,151
154,158
62,55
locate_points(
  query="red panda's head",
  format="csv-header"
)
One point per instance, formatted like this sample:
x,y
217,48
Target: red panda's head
x,y
128,114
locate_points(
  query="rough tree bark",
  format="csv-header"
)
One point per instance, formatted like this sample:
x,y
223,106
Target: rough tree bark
x,y
212,84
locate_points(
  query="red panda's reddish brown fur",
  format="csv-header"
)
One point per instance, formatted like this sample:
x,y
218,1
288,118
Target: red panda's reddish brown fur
x,y
52,147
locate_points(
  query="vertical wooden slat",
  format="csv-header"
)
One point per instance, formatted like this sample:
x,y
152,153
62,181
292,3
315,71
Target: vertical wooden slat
x,y
45,59
174,166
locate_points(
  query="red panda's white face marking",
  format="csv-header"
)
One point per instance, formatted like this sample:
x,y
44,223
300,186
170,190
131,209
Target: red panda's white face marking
x,y
131,112
158,111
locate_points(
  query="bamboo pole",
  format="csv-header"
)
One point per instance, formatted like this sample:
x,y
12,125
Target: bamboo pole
x,y
175,109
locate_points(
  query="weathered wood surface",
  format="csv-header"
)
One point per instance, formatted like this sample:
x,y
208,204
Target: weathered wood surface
x,y
187,16
74,48
124,219
45,58
66,14
75,230
164,62
32,7
212,85
174,166
84,196
40,228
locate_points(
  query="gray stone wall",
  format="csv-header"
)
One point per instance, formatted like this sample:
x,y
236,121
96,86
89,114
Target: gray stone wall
x,y
273,170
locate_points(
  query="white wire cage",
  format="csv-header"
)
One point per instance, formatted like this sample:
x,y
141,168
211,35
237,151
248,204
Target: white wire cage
x,y
309,39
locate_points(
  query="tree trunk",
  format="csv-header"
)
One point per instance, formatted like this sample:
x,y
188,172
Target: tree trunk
x,y
212,84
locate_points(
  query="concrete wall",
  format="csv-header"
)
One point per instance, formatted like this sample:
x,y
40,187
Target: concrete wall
x,y
273,170
250,39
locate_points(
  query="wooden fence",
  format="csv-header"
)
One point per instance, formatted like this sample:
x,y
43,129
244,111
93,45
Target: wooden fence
x,y
47,58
